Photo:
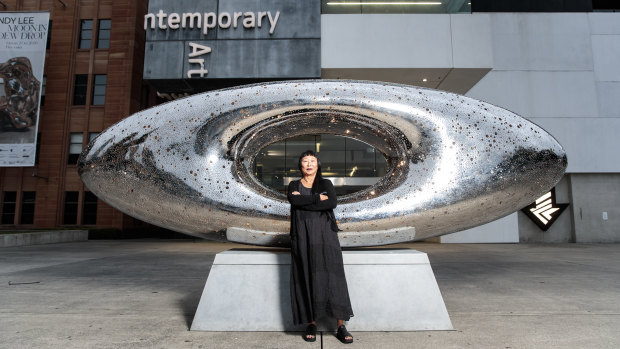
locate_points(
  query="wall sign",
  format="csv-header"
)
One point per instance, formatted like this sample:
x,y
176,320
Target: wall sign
x,y
23,37
210,20
193,40
545,210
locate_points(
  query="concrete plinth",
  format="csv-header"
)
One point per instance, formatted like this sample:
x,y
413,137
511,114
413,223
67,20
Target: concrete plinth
x,y
390,290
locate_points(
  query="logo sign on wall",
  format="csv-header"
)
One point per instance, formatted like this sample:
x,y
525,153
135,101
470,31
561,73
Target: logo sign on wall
x,y
545,210
23,37
193,40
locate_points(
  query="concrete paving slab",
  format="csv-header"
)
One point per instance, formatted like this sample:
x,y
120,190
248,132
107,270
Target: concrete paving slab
x,y
143,294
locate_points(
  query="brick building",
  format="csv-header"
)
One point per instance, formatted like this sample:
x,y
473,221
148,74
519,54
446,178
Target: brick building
x,y
92,79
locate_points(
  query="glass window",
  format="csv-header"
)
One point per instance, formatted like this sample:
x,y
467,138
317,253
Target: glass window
x,y
43,85
386,6
332,150
71,207
8,207
360,159
295,146
380,164
49,35
38,149
103,34
86,33
270,165
28,199
354,165
605,6
99,86
89,209
75,147
532,6
79,89
92,135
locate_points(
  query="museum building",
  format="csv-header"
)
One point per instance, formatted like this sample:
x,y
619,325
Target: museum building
x,y
554,63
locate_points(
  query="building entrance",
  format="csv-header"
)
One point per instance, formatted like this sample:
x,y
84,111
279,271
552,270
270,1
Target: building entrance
x,y
351,165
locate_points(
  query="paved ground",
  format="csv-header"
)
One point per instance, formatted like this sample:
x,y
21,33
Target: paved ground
x,y
143,294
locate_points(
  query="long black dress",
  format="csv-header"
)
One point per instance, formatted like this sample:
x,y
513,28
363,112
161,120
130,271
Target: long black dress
x,y
318,284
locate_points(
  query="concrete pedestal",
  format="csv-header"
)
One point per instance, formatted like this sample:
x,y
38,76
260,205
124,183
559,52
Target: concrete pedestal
x,y
390,290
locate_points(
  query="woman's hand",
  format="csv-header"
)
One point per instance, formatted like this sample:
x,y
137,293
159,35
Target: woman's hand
x,y
324,197
296,193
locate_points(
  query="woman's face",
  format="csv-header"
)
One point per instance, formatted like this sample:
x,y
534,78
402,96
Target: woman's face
x,y
309,165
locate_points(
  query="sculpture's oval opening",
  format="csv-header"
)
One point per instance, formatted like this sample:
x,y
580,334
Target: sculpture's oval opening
x,y
350,164
393,147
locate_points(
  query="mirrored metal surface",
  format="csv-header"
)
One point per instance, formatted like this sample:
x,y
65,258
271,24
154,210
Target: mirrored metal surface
x,y
453,162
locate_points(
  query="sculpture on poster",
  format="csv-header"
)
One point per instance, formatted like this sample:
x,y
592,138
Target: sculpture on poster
x,y
453,162
23,41
19,98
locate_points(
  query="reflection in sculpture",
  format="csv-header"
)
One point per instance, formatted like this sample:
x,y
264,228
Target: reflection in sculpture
x,y
453,162
21,93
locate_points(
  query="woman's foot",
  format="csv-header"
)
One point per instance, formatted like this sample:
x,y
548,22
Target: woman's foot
x,y
343,335
310,333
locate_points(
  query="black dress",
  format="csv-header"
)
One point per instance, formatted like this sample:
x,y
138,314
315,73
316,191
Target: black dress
x,y
318,284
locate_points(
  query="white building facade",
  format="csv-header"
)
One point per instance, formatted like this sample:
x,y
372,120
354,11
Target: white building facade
x,y
558,70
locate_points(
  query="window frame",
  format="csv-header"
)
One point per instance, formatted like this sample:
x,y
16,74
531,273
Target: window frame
x,y
48,42
89,208
102,30
74,205
80,87
43,86
94,98
85,32
4,214
72,156
27,202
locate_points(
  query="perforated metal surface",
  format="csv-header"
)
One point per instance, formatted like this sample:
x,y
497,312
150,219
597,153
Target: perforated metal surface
x,y
453,162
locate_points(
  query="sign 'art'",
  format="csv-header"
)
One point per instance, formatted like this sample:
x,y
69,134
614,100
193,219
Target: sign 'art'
x,y
205,21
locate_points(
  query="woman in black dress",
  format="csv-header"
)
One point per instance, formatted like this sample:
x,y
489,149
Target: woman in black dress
x,y
318,284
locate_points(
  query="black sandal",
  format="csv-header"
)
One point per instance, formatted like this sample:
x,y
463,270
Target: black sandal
x,y
342,335
310,331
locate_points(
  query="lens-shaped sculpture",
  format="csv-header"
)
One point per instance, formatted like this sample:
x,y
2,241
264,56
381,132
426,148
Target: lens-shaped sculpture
x,y
453,162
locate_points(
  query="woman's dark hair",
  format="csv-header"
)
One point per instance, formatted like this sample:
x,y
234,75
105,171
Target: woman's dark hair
x,y
319,174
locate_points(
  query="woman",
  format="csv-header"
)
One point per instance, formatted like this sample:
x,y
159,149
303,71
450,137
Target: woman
x,y
318,285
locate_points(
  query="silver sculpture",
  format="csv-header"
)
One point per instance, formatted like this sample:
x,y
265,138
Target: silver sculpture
x,y
453,162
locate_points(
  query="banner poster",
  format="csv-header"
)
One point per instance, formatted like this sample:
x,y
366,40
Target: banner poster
x,y
23,39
